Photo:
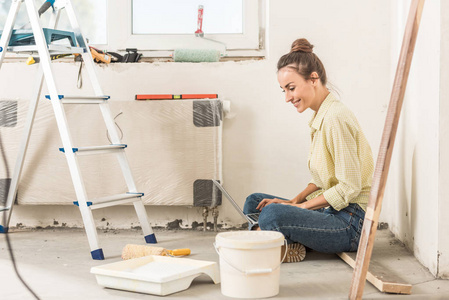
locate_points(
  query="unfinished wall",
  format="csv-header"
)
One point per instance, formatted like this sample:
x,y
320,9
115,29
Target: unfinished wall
x,y
413,194
265,145
443,171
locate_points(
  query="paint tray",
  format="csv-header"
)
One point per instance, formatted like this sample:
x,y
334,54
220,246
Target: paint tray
x,y
158,275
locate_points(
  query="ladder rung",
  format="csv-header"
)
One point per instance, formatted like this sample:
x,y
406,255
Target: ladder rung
x,y
2,208
96,149
81,99
115,200
89,203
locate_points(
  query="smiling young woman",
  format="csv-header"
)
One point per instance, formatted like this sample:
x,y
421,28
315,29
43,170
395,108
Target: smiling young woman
x,y
328,214
302,77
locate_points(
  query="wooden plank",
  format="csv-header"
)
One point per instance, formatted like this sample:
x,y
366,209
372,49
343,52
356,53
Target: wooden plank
x,y
382,280
385,152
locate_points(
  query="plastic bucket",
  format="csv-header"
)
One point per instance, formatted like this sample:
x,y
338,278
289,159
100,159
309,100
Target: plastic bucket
x,y
249,263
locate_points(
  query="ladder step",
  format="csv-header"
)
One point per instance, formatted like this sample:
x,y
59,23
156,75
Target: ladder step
x,y
2,208
96,149
81,99
115,200
89,203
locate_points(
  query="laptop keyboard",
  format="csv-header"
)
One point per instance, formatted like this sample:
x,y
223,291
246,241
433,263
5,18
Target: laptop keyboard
x,y
254,217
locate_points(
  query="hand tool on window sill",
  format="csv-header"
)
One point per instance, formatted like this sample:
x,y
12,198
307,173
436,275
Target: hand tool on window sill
x,y
34,60
112,57
131,56
99,56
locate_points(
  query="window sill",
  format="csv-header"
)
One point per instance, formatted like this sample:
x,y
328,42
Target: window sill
x,y
152,56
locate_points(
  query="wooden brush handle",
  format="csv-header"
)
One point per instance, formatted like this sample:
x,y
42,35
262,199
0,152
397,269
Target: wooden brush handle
x,y
179,252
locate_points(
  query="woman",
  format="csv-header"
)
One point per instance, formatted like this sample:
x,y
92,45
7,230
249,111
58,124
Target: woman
x,y
327,216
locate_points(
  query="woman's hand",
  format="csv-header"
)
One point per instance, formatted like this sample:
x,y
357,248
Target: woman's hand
x,y
265,202
313,204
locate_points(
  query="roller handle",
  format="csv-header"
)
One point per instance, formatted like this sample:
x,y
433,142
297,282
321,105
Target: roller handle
x,y
199,31
47,4
179,252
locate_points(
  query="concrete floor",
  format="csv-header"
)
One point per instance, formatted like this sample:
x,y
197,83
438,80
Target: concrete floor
x,y
56,265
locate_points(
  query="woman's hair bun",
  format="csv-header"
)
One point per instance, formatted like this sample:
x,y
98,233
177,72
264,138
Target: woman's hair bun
x,y
302,45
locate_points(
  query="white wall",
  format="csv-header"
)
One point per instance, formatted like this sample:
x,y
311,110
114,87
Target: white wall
x,y
266,144
412,196
443,204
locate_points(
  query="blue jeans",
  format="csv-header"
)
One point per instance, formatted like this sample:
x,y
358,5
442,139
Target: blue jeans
x,y
324,230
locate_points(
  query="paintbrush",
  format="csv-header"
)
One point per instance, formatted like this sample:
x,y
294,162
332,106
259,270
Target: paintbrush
x,y
135,251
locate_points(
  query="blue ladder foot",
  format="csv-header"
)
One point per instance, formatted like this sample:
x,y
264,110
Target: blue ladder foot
x,y
3,229
150,239
97,254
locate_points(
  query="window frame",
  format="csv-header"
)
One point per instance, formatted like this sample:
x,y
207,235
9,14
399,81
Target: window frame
x,y
120,37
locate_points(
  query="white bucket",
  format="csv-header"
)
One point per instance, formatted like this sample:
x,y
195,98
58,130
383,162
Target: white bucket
x,y
249,263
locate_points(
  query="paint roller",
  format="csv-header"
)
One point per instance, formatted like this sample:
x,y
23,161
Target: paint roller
x,y
199,55
135,251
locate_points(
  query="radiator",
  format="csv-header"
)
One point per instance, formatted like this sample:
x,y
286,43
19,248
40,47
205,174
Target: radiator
x,y
174,149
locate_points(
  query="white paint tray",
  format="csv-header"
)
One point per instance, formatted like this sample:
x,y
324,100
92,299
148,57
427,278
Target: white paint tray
x,y
158,275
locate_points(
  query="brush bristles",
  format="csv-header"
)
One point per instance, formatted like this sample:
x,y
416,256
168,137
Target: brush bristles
x,y
135,251
196,55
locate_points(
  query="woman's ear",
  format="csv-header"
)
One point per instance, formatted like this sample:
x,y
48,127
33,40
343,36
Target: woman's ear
x,y
314,77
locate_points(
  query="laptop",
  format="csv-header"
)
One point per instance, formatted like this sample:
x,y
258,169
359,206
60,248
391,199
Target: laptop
x,y
253,219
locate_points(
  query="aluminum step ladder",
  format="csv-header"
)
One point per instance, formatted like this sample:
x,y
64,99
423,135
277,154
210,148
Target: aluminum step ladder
x,y
45,49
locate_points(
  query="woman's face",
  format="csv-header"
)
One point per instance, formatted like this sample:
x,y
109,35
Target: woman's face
x,y
299,91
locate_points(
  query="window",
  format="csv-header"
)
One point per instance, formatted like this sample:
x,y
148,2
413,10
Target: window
x,y
22,17
171,24
155,25
91,17
150,16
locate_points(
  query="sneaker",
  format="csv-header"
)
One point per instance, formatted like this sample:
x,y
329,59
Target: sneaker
x,y
296,252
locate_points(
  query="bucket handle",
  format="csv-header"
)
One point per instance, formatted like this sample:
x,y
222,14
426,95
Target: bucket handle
x,y
255,271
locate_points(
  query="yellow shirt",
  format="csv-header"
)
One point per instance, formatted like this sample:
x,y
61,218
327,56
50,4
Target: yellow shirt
x,y
340,159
